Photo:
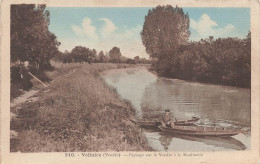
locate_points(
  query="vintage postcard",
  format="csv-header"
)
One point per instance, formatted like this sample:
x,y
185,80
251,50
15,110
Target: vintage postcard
x,y
130,81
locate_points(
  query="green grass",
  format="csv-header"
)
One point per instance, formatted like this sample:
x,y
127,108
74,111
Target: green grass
x,y
78,113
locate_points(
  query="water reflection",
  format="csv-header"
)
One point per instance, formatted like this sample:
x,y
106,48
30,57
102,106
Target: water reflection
x,y
163,141
186,99
222,142
130,84
216,106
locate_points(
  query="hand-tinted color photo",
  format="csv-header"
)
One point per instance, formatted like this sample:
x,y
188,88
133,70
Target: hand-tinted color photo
x,y
98,79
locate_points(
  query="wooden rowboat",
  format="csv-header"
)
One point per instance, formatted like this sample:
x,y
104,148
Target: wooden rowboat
x,y
202,131
155,124
188,122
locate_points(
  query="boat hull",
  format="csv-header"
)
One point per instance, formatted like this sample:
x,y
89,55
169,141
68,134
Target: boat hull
x,y
201,131
155,124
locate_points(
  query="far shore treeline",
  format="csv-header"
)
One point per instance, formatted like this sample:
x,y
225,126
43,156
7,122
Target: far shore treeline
x,y
81,54
165,36
224,61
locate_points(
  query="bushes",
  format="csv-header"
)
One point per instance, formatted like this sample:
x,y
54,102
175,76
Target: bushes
x,y
15,90
15,75
223,61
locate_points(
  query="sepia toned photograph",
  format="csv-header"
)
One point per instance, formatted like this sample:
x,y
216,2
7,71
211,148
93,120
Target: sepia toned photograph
x,y
130,79
102,80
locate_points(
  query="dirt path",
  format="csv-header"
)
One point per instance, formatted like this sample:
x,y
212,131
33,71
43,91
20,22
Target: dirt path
x,y
23,98
28,94
26,97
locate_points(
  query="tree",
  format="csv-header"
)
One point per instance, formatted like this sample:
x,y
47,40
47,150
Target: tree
x,y
137,59
93,56
101,57
30,38
67,57
164,30
115,55
81,54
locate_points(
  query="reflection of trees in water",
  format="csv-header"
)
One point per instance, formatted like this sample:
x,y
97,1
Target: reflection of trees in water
x,y
165,141
224,142
186,99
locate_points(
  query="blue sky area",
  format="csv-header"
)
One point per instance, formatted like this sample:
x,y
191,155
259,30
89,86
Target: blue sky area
x,y
103,28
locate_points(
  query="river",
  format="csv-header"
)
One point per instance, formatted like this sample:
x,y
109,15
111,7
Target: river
x,y
216,105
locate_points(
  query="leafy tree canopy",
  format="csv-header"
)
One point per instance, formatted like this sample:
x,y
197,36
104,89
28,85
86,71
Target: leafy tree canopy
x,y
30,38
164,30
115,54
81,54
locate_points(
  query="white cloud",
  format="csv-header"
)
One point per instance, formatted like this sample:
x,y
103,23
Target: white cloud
x,y
86,29
206,27
77,30
129,42
105,38
108,28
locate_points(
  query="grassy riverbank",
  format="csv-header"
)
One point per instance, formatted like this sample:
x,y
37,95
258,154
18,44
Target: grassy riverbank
x,y
77,112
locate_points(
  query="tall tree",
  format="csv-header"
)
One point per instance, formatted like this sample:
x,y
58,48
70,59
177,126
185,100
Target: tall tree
x,y
164,30
30,38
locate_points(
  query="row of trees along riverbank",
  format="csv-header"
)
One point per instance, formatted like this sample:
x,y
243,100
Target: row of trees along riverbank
x,y
224,61
80,54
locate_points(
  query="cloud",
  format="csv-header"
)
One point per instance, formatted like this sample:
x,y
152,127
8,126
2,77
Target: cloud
x,y
105,37
77,30
205,27
128,40
108,28
86,29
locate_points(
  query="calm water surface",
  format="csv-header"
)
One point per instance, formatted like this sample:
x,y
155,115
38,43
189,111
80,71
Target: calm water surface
x,y
216,105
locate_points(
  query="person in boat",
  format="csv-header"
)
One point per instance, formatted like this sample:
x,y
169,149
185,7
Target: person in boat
x,y
24,71
167,119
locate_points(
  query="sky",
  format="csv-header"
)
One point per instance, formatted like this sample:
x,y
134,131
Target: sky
x,y
104,28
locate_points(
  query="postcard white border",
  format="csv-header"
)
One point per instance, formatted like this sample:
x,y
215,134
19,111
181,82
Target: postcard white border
x,y
233,157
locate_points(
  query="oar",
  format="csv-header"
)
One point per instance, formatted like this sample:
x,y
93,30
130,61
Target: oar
x,y
38,79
